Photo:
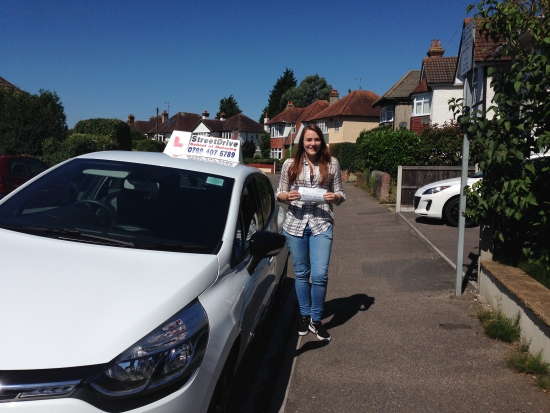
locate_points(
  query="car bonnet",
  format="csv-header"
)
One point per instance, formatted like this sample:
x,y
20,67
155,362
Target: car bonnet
x,y
66,304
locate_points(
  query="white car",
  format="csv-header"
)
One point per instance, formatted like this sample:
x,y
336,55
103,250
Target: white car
x,y
134,281
441,199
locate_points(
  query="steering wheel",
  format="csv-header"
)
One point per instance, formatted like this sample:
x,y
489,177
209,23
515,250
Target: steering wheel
x,y
106,207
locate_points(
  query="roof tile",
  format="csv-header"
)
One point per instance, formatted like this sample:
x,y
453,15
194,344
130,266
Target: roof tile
x,y
356,103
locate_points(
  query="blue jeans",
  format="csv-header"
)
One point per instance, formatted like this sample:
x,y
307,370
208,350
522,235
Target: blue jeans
x,y
311,256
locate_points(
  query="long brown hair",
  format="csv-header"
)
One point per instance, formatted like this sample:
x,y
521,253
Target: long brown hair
x,y
323,156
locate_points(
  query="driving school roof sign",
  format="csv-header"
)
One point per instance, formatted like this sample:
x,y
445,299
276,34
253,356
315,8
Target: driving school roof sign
x,y
204,148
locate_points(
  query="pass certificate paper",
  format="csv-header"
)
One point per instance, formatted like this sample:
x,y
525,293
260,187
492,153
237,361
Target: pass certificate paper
x,y
312,194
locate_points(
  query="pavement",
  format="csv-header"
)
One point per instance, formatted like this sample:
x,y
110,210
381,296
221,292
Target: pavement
x,y
401,340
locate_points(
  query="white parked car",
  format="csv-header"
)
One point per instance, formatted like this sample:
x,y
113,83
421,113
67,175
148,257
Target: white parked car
x,y
134,281
441,199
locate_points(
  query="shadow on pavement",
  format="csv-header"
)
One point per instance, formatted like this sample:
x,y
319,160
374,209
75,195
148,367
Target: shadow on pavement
x,y
429,221
343,309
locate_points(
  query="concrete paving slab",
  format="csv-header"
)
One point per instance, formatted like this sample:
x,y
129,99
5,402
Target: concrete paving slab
x,y
402,341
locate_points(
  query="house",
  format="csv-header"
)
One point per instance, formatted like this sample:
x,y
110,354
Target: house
x,y
396,104
161,127
346,118
5,84
436,87
236,127
285,128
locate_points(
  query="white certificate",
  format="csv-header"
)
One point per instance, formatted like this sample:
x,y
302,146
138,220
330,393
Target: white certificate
x,y
312,194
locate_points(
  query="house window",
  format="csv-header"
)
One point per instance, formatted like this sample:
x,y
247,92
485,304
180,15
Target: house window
x,y
422,105
293,128
336,126
323,126
386,114
276,153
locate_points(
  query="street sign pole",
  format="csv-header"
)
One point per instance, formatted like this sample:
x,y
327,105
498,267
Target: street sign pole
x,y
465,69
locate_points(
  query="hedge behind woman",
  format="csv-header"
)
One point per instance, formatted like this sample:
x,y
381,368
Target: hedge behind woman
x,y
308,226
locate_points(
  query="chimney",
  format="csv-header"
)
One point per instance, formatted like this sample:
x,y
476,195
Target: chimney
x,y
131,119
435,49
205,114
289,105
164,116
222,116
266,118
334,96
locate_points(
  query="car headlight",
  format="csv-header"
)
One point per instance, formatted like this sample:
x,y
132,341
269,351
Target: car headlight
x,y
435,190
170,353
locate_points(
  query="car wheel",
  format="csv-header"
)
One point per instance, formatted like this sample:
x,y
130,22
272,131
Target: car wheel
x,y
451,213
218,403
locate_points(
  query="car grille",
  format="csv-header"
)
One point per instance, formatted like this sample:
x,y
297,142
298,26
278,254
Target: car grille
x,y
416,201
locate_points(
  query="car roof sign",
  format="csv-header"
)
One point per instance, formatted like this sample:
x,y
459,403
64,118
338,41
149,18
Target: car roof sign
x,y
204,148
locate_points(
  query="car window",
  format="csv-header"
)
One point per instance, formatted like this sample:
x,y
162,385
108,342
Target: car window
x,y
265,192
35,166
126,204
18,168
250,220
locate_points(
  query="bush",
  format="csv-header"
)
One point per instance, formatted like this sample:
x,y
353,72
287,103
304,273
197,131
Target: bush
x,y
347,154
75,145
137,135
261,161
385,149
248,148
115,129
150,146
500,327
441,145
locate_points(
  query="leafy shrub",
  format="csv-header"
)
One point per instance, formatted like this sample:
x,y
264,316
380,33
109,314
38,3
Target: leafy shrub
x,y
115,129
441,146
261,161
150,146
137,135
385,149
347,154
248,148
75,145
500,327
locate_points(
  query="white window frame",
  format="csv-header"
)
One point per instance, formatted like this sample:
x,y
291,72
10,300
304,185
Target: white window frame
x,y
323,126
276,153
422,100
386,114
337,126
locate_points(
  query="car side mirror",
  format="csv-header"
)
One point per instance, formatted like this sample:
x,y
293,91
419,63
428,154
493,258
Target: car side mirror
x,y
264,244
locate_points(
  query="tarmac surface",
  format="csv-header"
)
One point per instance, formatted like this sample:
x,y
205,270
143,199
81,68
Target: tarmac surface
x,y
401,340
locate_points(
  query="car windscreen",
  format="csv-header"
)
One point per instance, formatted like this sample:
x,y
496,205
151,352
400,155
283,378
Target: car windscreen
x,y
124,204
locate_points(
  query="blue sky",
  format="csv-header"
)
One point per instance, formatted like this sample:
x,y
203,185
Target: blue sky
x,y
110,58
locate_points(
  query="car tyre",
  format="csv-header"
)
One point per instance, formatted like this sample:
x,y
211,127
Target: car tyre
x,y
220,397
451,213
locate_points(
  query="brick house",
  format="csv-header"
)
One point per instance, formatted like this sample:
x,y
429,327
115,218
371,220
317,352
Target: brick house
x,y
236,127
396,104
285,128
346,118
436,86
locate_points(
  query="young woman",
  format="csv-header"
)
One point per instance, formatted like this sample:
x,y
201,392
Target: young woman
x,y
308,224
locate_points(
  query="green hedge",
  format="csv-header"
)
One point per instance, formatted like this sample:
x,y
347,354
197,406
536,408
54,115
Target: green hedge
x,y
260,161
115,129
150,146
386,149
75,145
348,156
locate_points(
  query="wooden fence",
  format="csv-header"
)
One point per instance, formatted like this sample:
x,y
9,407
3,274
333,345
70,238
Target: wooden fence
x,y
410,178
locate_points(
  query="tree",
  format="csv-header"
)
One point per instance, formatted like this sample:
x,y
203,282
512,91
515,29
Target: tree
x,y
228,106
312,88
265,145
248,148
513,196
441,145
27,120
275,104
115,129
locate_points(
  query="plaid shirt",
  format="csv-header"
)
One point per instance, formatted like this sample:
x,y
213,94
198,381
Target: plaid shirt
x,y
319,217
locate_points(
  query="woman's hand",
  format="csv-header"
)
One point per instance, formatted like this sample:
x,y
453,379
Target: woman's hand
x,y
293,196
331,197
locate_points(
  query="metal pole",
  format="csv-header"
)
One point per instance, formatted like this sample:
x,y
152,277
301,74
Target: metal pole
x,y
157,126
461,218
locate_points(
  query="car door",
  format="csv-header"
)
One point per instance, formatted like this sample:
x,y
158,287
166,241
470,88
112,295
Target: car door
x,y
259,285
